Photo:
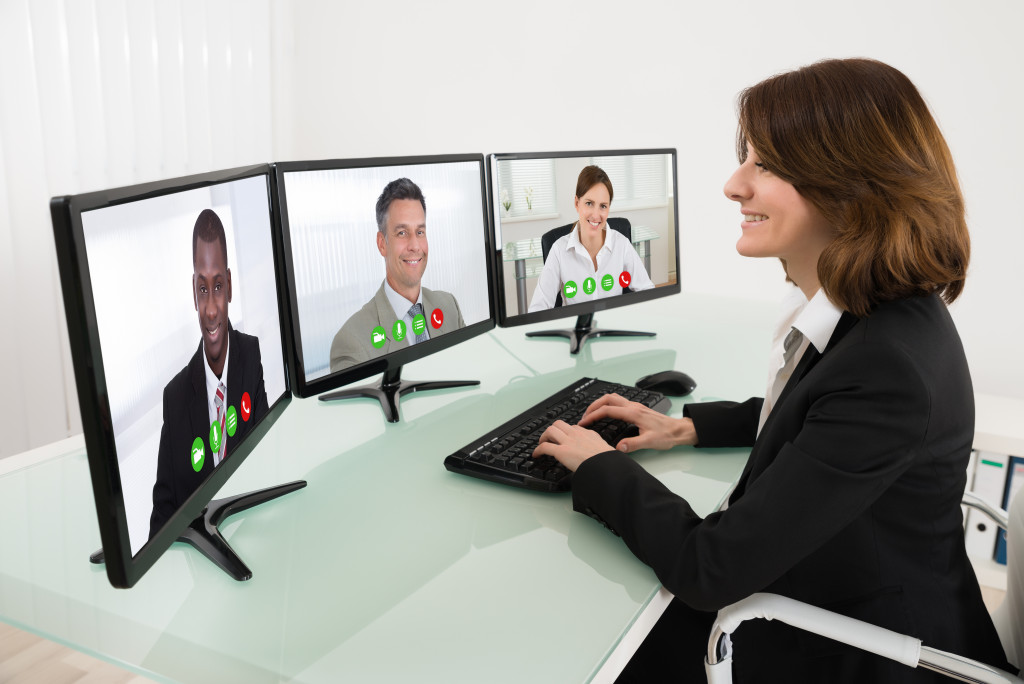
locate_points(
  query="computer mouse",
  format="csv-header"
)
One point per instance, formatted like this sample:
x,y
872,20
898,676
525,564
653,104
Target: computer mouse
x,y
671,382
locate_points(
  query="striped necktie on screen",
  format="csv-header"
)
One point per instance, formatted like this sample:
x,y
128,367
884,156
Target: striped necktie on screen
x,y
218,401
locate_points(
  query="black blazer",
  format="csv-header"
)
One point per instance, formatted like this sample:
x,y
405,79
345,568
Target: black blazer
x,y
187,416
850,500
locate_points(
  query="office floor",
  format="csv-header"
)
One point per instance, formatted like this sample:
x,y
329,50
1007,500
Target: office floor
x,y
28,659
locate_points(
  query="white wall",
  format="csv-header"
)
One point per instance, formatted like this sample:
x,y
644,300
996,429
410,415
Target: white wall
x,y
418,78
98,94
108,92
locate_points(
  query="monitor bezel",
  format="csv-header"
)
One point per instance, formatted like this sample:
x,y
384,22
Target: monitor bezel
x,y
505,320
123,569
396,359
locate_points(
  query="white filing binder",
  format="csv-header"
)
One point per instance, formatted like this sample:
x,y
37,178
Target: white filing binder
x,y
989,481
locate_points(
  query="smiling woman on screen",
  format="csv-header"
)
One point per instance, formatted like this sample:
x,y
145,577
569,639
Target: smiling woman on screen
x,y
590,250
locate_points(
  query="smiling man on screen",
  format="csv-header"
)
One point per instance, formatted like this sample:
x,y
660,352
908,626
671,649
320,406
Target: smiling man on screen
x,y
402,312
219,396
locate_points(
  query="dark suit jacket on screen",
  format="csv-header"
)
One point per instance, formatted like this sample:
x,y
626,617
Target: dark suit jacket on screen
x,y
850,500
187,416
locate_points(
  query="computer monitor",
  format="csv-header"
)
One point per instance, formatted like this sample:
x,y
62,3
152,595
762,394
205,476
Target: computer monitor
x,y
175,319
627,252
387,260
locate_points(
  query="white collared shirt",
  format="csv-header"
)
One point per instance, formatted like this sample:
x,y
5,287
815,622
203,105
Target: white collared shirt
x,y
808,322
569,260
401,307
211,388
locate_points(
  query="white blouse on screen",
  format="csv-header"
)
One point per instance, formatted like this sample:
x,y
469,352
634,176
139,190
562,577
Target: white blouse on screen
x,y
568,261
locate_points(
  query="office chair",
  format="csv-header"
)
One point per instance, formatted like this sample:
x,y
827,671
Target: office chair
x,y
548,239
884,642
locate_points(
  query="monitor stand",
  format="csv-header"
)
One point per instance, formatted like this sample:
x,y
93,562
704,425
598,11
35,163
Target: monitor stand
x,y
584,331
391,389
204,535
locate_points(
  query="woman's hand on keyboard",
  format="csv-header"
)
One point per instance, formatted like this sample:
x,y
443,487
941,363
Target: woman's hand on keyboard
x,y
657,431
570,444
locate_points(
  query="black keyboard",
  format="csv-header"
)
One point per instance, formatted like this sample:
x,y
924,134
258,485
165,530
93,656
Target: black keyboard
x,y
505,454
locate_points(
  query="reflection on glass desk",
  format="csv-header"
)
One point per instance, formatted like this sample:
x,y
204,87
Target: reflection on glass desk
x,y
387,567
521,251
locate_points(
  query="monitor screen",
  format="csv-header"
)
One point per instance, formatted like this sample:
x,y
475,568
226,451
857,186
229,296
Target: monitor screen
x,y
175,322
579,232
387,261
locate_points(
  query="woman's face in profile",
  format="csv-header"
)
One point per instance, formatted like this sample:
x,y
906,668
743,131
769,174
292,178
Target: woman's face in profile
x,y
593,208
777,220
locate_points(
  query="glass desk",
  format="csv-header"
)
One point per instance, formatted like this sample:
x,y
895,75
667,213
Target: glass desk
x,y
387,567
522,250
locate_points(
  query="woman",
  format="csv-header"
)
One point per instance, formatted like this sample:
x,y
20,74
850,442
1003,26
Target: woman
x,y
850,497
590,250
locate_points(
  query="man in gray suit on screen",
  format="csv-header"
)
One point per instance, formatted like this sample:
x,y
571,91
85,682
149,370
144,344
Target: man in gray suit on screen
x,y
402,312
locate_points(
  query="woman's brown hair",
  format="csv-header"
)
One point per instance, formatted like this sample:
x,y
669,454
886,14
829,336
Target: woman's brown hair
x,y
856,139
591,176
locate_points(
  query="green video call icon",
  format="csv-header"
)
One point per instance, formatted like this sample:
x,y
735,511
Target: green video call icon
x,y
419,324
398,330
232,421
569,289
377,337
198,454
589,285
607,282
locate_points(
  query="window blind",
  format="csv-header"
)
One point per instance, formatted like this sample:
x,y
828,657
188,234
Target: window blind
x,y
638,180
517,177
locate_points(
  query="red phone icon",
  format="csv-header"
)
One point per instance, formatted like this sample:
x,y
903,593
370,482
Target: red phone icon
x,y
624,279
246,407
437,318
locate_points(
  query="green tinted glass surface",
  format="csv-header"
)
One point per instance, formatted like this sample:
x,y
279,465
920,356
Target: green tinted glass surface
x,y
386,567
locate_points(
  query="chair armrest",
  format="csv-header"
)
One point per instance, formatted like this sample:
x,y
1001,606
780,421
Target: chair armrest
x,y
878,640
1001,517
964,669
862,635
